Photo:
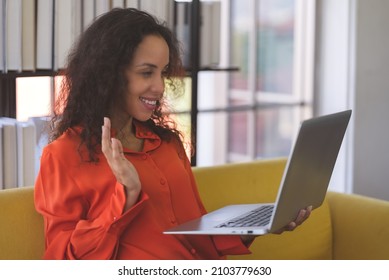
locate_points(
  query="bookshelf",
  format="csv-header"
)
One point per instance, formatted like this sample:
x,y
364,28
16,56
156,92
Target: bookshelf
x,y
45,57
200,56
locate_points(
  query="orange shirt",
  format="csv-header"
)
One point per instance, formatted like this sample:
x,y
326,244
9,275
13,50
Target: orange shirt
x,y
82,205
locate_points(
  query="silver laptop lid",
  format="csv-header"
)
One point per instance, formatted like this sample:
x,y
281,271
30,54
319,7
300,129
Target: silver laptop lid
x,y
310,163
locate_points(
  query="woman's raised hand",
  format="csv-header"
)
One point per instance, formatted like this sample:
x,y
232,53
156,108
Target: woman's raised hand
x,y
122,168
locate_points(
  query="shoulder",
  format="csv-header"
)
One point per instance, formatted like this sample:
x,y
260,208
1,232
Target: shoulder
x,y
65,146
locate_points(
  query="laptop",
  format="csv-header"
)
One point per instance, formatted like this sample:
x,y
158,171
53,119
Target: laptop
x,y
305,181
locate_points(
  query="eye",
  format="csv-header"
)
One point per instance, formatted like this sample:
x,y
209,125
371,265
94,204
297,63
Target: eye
x,y
165,71
147,74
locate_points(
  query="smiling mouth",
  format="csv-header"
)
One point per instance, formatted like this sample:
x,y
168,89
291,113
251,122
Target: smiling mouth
x,y
149,102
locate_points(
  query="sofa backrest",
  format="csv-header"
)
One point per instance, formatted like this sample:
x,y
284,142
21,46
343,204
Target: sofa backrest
x,y
258,181
21,227
22,237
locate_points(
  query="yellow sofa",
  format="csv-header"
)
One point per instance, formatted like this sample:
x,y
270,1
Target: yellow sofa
x,y
344,227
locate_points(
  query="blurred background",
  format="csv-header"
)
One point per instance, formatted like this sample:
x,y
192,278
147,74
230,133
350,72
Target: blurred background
x,y
255,70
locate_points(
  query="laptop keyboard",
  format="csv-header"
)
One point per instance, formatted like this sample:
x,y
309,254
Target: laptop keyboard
x,y
257,217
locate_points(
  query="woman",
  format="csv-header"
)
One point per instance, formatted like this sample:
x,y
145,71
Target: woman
x,y
115,174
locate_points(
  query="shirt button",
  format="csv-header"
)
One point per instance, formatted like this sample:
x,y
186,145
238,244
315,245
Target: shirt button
x,y
162,181
115,218
193,251
144,157
173,221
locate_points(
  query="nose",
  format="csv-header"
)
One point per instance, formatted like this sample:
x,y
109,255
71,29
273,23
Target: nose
x,y
158,85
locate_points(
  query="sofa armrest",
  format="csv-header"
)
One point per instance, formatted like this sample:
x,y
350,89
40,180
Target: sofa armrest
x,y
360,226
21,227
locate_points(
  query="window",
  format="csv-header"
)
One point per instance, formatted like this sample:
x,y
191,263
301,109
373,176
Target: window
x,y
272,44
33,97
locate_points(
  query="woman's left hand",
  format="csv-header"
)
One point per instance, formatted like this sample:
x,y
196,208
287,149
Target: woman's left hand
x,y
301,217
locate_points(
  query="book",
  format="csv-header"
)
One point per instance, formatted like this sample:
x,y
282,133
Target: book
x,y
210,33
76,20
28,35
44,34
102,6
132,4
2,36
88,10
182,30
63,31
159,9
41,138
117,4
9,147
13,36
68,26
25,135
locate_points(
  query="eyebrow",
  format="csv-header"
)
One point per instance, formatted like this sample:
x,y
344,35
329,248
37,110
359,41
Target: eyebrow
x,y
146,64
150,65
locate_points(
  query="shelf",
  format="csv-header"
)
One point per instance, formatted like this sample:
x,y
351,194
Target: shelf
x,y
214,68
37,73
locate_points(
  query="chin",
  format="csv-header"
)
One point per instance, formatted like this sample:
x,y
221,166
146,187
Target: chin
x,y
143,118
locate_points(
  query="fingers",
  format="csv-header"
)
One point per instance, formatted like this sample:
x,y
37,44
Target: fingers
x,y
106,137
117,149
291,226
301,217
111,147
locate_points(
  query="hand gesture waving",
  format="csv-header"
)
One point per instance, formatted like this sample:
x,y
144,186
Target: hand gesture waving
x,y
123,169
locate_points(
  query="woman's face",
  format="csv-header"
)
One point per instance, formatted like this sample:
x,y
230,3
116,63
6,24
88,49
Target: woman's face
x,y
145,77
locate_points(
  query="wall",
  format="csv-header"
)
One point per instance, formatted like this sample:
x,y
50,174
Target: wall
x,y
371,150
333,77
352,72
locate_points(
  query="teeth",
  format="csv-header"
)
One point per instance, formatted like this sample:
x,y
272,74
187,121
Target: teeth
x,y
149,102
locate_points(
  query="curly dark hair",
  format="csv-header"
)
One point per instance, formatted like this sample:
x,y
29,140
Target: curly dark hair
x,y
94,79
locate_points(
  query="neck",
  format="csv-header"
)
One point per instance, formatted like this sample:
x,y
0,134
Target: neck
x,y
123,125
125,132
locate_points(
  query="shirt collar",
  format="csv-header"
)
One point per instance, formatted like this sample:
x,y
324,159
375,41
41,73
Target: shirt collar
x,y
151,140
144,132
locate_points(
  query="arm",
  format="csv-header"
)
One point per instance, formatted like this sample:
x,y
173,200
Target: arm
x,y
71,231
